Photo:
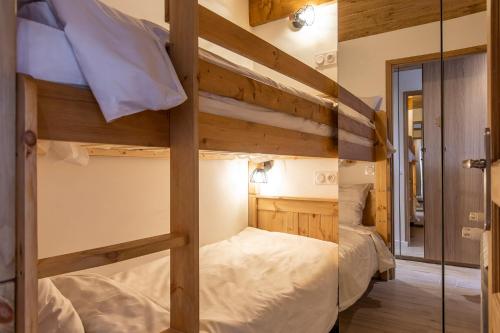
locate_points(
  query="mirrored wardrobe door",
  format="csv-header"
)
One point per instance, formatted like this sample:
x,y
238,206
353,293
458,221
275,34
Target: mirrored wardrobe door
x,y
390,273
464,119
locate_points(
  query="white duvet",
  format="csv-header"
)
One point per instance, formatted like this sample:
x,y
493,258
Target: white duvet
x,y
256,281
362,253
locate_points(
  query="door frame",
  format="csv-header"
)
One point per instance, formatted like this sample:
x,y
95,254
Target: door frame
x,y
494,123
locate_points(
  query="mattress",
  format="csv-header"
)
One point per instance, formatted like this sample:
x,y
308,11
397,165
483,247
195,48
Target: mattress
x,y
256,281
362,253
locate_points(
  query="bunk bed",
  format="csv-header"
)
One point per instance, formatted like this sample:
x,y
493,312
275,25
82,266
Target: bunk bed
x,y
52,111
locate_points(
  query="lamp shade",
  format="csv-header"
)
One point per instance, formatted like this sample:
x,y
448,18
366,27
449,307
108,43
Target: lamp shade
x,y
259,176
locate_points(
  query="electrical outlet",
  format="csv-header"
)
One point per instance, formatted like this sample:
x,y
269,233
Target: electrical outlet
x,y
476,217
325,178
325,59
370,170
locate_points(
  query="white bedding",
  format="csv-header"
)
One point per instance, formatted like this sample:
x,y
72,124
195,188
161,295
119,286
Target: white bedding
x,y
256,281
362,253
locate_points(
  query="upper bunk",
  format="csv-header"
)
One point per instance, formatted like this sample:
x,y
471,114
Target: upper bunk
x,y
240,110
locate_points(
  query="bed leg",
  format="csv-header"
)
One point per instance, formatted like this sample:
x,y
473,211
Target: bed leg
x,y
184,170
26,207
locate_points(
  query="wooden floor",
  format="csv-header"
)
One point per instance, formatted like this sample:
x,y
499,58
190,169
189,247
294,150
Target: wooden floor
x,y
412,302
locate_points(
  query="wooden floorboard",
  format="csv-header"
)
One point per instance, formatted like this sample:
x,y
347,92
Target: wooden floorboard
x,y
412,302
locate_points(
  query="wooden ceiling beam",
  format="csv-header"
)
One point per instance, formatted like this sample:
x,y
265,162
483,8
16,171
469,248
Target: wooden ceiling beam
x,y
370,17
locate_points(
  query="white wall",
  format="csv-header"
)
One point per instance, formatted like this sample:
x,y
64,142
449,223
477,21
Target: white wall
x,y
359,172
295,178
321,37
114,200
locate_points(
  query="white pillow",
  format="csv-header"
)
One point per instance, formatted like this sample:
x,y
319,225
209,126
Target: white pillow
x,y
107,306
44,53
352,201
374,102
55,312
124,62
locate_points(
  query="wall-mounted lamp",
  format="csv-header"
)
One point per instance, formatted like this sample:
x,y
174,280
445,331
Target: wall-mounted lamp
x,y
303,17
259,175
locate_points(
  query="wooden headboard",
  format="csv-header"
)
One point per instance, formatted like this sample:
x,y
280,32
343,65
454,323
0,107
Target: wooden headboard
x,y
315,218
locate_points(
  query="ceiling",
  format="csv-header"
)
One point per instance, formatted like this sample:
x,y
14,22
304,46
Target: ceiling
x,y
361,18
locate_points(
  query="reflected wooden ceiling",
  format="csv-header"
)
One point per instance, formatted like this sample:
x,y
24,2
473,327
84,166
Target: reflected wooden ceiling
x,y
361,18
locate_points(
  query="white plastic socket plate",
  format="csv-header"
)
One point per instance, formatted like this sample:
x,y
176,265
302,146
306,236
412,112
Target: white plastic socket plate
x,y
325,177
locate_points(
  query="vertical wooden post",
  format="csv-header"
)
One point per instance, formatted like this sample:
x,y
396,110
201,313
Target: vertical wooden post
x,y
8,158
184,290
383,219
26,207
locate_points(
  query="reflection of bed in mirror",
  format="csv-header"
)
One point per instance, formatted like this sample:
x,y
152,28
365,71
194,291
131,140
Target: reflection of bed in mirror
x,y
363,255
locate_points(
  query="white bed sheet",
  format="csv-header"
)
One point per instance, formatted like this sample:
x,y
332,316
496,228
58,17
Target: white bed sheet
x,y
362,253
256,281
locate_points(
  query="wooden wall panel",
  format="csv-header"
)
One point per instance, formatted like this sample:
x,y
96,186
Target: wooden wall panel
x,y
465,113
265,11
370,17
7,137
494,123
465,120
315,218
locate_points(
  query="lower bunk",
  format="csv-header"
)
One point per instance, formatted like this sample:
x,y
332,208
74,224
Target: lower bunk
x,y
285,273
255,281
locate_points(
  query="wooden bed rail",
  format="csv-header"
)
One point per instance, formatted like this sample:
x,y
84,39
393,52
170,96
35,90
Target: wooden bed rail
x,y
106,255
225,33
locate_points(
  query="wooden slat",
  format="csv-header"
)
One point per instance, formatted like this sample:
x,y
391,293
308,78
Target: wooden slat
x,y
106,255
353,151
71,113
220,81
351,126
418,60
265,11
310,206
494,123
26,208
227,134
370,17
495,182
223,32
184,170
382,181
7,136
352,101
315,218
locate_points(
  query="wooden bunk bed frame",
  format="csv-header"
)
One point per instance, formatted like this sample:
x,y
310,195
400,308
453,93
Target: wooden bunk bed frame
x,y
53,111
